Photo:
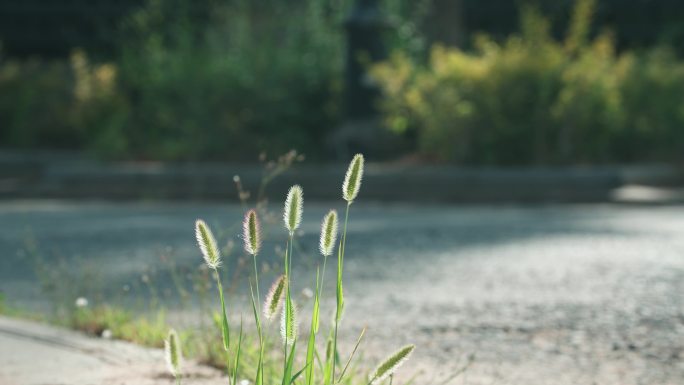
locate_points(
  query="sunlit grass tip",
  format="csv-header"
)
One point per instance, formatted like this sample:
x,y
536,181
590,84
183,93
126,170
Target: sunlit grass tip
x,y
172,352
289,328
274,298
352,179
328,233
292,215
207,244
390,365
251,232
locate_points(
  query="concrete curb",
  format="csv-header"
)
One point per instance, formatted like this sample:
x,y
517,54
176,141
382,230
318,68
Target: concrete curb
x,y
34,354
68,178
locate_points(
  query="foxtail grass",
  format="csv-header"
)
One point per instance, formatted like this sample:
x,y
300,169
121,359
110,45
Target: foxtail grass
x,y
173,355
252,238
390,365
212,257
274,298
328,233
292,214
279,297
352,179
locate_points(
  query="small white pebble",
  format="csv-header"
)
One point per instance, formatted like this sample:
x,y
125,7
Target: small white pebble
x,y
307,293
106,334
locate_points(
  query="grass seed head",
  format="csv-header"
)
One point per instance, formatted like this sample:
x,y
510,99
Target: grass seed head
x,y
390,365
288,323
292,215
352,180
207,244
328,233
274,298
251,232
172,351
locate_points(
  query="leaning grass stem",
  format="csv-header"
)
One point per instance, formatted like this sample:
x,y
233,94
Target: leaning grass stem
x,y
351,356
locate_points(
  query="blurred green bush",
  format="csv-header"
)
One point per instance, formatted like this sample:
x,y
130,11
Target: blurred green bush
x,y
250,78
535,100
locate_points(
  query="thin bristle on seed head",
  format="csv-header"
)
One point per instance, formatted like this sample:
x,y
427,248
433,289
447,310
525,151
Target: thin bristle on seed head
x,y
328,233
274,298
172,350
288,323
292,215
251,232
390,365
352,179
207,244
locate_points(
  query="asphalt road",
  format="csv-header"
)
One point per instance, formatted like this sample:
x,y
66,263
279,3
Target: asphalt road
x,y
571,294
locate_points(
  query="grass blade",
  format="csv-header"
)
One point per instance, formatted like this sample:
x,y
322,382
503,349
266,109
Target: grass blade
x,y
260,366
298,374
287,373
327,372
236,365
225,328
311,347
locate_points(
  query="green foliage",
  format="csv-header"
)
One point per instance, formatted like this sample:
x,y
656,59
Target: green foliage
x,y
56,103
184,86
250,76
122,324
532,99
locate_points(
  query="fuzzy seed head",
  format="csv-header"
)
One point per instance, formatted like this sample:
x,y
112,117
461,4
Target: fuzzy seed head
x,y
172,352
328,233
288,322
274,298
207,244
352,180
251,232
390,365
292,215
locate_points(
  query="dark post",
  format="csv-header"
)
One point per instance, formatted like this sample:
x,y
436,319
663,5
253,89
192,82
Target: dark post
x,y
365,26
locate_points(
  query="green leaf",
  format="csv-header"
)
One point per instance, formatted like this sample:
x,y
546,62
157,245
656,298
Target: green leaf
x,y
311,347
236,365
327,372
298,374
287,374
260,366
225,329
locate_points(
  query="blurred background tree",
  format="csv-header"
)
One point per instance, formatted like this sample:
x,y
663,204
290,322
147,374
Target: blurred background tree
x,y
228,79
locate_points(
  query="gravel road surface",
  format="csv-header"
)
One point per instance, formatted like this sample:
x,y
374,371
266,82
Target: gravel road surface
x,y
568,294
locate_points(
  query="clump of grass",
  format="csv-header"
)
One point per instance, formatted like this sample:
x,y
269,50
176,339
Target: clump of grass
x,y
280,296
